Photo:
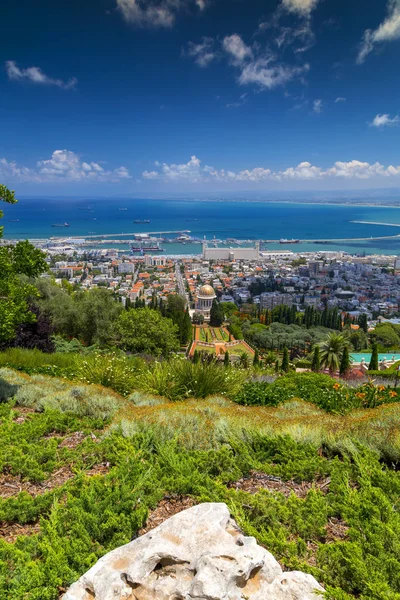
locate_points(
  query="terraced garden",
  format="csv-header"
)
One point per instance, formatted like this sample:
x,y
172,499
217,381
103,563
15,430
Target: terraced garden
x,y
84,470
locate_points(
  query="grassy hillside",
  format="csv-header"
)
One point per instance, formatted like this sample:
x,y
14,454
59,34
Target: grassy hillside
x,y
82,468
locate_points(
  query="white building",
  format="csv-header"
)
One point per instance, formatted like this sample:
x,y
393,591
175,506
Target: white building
x,y
231,254
204,301
155,261
126,267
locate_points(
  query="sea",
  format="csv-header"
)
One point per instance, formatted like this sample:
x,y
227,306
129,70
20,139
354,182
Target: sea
x,y
32,218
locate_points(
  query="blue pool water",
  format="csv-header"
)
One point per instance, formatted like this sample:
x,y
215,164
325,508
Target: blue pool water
x,y
357,357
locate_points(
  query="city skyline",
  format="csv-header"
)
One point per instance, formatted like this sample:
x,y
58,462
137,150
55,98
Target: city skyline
x,y
132,96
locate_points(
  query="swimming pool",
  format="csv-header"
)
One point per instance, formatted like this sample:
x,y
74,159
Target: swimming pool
x,y
358,356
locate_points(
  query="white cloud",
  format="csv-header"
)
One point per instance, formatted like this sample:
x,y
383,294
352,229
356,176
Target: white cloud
x,y
264,73
301,7
63,165
189,171
155,13
317,106
357,169
150,175
203,53
255,66
384,120
304,170
387,31
340,99
36,75
194,171
235,47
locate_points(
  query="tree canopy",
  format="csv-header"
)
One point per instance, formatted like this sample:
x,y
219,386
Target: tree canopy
x,y
146,331
16,293
89,316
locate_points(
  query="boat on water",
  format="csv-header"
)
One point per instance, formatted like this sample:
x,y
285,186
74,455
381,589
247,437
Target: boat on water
x,y
143,249
141,221
61,224
285,241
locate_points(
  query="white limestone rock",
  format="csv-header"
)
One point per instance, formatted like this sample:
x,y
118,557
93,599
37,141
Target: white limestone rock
x,y
198,554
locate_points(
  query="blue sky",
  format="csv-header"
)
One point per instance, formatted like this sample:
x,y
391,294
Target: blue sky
x,y
124,96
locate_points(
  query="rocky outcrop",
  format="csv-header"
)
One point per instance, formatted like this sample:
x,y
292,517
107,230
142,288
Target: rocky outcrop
x,y
198,554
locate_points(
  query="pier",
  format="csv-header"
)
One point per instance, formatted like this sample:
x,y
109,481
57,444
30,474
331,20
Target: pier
x,y
115,235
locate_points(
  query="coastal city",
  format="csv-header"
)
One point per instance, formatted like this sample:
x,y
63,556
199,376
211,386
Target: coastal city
x,y
356,284
200,300
253,281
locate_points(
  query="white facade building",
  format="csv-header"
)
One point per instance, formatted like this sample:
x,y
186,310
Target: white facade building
x,y
204,301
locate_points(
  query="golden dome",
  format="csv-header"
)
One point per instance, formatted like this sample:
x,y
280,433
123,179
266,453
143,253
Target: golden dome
x,y
207,290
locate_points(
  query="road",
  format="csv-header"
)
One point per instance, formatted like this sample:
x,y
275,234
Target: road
x,y
180,282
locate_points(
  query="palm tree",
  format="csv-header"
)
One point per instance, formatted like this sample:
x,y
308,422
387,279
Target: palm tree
x,y
331,350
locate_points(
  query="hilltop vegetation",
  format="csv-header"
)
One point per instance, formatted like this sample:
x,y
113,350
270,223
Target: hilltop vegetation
x,y
82,468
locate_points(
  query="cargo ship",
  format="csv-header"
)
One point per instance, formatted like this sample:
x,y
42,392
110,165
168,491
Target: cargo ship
x,y
143,249
285,241
60,224
141,221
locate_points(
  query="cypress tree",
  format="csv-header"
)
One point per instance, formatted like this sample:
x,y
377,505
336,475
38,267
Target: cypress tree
x,y
374,362
256,359
226,359
316,363
216,314
345,362
186,328
363,322
277,365
285,360
196,357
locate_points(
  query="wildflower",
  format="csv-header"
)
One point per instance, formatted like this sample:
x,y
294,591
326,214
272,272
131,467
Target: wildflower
x,y
381,388
392,394
336,386
360,395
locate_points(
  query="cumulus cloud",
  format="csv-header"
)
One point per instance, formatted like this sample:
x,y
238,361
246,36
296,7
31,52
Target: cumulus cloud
x,y
385,120
155,13
203,52
191,170
387,31
63,165
301,7
36,75
150,175
194,171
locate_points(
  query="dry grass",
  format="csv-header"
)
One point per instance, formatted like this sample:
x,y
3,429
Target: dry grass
x,y
204,423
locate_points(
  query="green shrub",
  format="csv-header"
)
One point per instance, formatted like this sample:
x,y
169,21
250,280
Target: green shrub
x,y
82,402
179,379
7,390
28,360
303,364
110,370
319,389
